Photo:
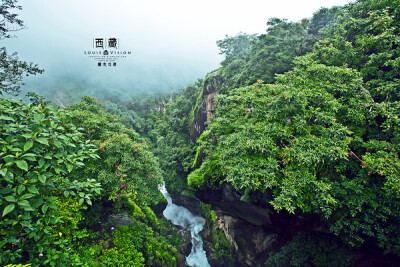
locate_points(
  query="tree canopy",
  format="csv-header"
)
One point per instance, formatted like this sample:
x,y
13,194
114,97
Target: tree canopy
x,y
324,137
12,70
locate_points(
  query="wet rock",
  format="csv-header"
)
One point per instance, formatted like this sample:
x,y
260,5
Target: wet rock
x,y
186,248
251,243
117,220
187,245
159,207
191,203
181,260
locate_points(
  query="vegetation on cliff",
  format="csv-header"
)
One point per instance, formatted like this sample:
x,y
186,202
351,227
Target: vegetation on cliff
x,y
324,137
303,120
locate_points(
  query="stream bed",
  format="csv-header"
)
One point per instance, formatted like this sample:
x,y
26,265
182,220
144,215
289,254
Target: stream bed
x,y
183,217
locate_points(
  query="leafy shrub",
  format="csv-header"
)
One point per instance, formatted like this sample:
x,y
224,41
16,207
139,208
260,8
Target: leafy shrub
x,y
39,148
312,250
121,257
155,248
126,165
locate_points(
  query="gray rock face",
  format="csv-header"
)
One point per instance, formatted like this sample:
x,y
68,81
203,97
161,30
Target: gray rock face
x,y
117,220
251,242
192,204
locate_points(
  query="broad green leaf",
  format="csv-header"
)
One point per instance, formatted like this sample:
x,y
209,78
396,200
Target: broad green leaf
x,y
9,177
21,189
81,201
42,178
6,190
27,136
8,209
24,203
22,164
69,167
51,199
44,208
6,118
9,158
10,198
32,189
39,118
41,162
28,208
29,156
26,196
52,206
28,145
42,140
46,166
3,172
66,193
57,143
32,235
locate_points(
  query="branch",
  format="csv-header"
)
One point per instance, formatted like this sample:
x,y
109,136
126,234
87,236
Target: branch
x,y
365,164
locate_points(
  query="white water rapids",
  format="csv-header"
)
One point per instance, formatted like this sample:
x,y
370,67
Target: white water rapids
x,y
183,217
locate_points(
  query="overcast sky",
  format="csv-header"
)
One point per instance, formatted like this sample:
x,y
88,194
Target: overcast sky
x,y
173,42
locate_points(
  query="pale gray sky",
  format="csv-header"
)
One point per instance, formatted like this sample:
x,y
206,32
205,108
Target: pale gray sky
x,y
173,42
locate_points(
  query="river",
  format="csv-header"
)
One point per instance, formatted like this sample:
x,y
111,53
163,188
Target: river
x,y
184,218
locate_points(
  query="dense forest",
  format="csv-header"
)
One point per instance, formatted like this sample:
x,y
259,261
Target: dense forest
x,y
290,150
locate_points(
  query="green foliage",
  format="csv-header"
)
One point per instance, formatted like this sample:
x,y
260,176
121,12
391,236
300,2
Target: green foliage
x,y
249,58
142,238
323,19
262,148
43,210
39,148
36,99
130,176
234,48
128,117
224,250
12,69
299,139
121,257
207,174
171,137
312,250
366,39
195,179
10,21
126,166
18,265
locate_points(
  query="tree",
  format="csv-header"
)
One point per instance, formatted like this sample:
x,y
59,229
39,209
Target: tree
x,y
324,138
249,58
366,39
39,148
232,46
10,21
12,69
127,167
323,18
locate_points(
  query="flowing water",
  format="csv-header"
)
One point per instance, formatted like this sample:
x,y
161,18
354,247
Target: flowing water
x,y
183,217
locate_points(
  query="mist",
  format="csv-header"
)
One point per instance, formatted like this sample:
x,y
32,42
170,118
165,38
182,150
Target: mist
x,y
172,43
